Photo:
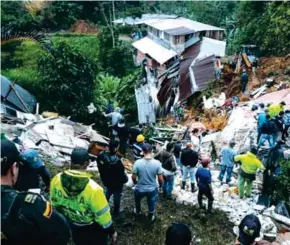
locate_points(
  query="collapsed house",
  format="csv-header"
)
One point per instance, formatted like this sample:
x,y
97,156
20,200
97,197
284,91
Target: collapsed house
x,y
180,57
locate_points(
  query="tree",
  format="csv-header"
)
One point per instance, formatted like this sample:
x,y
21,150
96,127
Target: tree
x,y
266,25
68,81
116,61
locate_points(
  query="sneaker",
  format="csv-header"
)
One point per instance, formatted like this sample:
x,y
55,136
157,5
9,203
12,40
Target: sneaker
x,y
152,217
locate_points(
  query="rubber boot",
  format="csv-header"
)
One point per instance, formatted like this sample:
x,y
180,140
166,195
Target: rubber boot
x,y
209,209
193,188
183,185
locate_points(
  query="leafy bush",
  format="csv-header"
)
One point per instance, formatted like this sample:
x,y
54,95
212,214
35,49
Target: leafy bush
x,y
68,81
88,45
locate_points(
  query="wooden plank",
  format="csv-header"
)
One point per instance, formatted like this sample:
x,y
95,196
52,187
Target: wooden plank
x,y
169,129
20,99
260,93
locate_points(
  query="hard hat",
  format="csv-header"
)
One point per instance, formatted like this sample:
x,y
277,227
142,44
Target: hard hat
x,y
140,138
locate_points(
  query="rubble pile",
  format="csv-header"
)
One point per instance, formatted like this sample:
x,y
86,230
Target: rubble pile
x,y
54,137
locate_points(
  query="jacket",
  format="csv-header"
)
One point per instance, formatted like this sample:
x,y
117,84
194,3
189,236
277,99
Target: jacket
x,y
26,218
269,127
112,171
279,122
167,160
137,151
28,178
123,132
177,150
189,157
250,163
286,119
275,109
80,199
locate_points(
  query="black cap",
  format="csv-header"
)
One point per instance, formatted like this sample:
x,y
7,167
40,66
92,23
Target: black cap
x,y
9,155
249,229
178,234
146,148
79,156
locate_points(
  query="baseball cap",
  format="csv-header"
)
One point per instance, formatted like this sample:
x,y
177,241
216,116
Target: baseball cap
x,y
249,228
9,155
146,148
178,234
79,156
31,157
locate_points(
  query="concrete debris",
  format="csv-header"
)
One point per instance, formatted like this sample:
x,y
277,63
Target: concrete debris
x,y
214,102
53,136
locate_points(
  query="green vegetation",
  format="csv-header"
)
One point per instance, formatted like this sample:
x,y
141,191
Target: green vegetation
x,y
261,23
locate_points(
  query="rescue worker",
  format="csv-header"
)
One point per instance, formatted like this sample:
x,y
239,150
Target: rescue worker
x,y
137,147
261,119
30,169
112,173
147,170
250,165
115,116
203,178
123,133
82,201
227,161
249,230
269,131
177,153
26,218
133,133
275,109
189,160
169,167
244,80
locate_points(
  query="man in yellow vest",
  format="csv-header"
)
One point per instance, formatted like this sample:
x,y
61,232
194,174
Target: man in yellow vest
x,y
275,109
82,201
250,165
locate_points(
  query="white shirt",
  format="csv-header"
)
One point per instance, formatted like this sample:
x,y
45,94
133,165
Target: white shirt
x,y
195,142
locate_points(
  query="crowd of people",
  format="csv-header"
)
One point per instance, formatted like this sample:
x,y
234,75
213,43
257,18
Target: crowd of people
x,y
79,206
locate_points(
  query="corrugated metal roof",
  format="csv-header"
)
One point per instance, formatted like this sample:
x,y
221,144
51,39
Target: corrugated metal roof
x,y
203,72
168,24
178,31
28,98
185,84
156,51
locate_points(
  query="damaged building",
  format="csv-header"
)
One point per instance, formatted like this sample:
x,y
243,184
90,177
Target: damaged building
x,y
180,57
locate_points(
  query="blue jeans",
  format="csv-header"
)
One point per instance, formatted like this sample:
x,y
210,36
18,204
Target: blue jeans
x,y
269,137
229,171
152,198
179,164
168,185
188,171
117,194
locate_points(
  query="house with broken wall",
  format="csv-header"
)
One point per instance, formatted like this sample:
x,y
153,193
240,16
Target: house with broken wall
x,y
180,56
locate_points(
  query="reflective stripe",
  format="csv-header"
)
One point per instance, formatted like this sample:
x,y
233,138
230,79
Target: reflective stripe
x,y
103,211
108,224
